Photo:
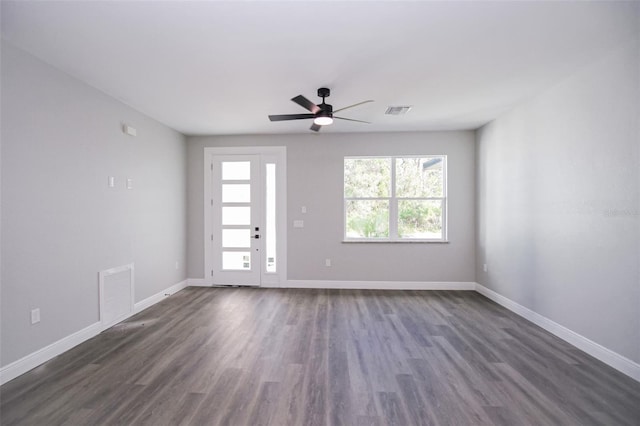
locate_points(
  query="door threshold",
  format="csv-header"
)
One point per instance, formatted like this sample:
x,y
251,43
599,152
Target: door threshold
x,y
234,286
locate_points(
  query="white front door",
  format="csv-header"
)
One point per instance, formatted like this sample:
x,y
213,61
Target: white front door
x,y
237,219
245,236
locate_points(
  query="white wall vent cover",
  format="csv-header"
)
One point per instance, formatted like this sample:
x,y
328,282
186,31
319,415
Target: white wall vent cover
x,y
397,110
116,294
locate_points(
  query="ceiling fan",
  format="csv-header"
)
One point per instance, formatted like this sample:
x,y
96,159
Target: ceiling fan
x,y
322,114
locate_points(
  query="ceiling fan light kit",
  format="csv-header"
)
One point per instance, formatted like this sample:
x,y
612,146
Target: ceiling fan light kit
x,y
322,114
323,119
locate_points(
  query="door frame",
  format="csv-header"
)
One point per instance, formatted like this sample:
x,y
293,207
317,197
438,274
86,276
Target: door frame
x,y
279,155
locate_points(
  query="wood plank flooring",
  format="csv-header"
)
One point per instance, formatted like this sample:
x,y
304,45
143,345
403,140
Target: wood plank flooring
x,y
241,356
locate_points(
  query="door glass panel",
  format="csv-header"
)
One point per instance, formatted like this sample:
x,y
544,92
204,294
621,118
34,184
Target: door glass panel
x,y
236,170
236,238
270,216
236,193
236,215
236,260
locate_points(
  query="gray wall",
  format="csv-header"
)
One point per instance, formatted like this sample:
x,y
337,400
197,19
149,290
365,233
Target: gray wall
x,y
61,224
558,205
314,174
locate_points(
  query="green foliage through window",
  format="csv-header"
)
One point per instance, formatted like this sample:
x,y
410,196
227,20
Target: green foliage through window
x,y
367,177
367,219
395,198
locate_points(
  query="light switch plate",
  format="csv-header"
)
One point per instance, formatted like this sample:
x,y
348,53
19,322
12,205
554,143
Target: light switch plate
x,y
131,131
35,316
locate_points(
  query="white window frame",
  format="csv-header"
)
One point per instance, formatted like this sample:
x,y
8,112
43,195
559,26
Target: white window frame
x,y
393,203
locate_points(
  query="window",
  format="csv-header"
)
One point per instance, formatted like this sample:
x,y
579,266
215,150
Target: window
x,y
395,198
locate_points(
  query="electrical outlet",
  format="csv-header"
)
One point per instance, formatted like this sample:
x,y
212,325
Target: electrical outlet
x,y
484,267
177,265
327,262
35,316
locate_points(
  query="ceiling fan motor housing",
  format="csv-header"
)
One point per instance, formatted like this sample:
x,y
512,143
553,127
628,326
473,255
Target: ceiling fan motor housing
x,y
326,110
323,92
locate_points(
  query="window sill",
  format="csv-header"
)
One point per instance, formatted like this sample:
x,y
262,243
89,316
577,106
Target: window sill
x,y
395,241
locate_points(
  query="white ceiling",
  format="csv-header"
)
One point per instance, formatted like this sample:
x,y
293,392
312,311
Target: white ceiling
x,y
222,67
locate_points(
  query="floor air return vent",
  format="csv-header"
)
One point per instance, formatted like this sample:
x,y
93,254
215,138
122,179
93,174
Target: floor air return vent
x,y
116,294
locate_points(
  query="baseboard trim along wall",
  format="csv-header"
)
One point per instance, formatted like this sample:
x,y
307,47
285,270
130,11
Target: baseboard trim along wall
x,y
152,300
609,357
34,359
381,285
198,282
357,285
31,361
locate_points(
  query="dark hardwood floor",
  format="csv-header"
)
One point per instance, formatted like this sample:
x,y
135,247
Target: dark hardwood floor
x,y
234,356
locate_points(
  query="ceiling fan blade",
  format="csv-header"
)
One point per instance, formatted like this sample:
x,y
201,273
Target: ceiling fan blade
x,y
284,117
351,119
315,127
306,103
354,105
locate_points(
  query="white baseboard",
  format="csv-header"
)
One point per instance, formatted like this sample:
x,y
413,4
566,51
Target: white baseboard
x,y
356,285
381,285
609,357
34,359
203,282
152,300
198,282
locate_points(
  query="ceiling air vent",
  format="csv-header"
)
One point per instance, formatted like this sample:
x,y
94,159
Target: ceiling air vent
x,y
397,110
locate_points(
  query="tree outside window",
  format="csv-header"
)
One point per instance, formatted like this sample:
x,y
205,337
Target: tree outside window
x,y
395,198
